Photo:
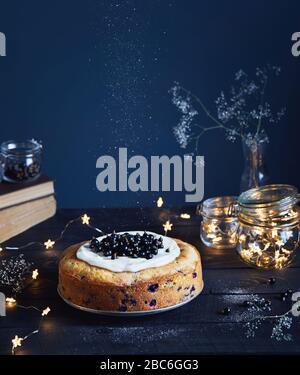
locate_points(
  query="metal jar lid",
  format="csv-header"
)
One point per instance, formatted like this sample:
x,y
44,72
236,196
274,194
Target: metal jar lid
x,y
270,203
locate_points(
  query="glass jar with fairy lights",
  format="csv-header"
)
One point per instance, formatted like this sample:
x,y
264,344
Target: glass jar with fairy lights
x,y
268,232
219,224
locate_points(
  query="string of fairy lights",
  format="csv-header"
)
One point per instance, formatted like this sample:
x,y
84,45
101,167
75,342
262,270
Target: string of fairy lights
x,y
17,341
85,219
11,302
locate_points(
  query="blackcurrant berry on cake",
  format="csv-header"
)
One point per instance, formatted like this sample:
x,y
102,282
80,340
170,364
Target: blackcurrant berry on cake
x,y
94,244
126,244
272,280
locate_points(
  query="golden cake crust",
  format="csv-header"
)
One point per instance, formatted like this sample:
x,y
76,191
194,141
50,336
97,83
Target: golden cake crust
x,y
152,288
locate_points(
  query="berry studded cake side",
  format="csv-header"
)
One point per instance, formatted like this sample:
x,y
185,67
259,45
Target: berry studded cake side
x,y
85,284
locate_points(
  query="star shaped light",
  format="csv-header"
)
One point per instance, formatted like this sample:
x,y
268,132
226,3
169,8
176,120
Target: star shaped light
x,y
46,311
85,219
17,341
159,202
49,244
35,274
167,226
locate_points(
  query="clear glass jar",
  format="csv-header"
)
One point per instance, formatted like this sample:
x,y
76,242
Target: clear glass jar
x,y
219,226
268,233
21,160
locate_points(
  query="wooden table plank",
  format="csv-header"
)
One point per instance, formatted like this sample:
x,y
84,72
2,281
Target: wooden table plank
x,y
157,339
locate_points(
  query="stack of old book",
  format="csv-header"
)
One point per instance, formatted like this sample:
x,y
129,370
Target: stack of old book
x,y
24,205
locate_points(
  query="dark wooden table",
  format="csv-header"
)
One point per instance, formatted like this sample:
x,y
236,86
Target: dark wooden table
x,y
197,327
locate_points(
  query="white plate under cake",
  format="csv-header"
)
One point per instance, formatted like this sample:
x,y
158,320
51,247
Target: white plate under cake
x,y
131,271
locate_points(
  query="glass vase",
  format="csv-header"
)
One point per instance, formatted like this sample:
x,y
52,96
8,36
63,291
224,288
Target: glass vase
x,y
255,172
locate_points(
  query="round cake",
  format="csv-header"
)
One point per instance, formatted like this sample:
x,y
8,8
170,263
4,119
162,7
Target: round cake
x,y
132,271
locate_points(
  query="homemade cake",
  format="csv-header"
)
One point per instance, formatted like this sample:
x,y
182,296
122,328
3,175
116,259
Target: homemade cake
x,y
132,271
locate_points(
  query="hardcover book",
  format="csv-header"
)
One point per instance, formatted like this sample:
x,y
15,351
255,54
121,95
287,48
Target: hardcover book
x,y
17,219
14,194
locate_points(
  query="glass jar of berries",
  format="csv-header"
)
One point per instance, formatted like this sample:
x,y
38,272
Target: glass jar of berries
x,y
21,160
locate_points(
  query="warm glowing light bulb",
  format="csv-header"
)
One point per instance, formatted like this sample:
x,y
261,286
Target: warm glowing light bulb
x,y
46,311
10,301
185,216
17,341
212,227
167,226
35,274
85,219
274,234
159,202
49,244
254,247
280,243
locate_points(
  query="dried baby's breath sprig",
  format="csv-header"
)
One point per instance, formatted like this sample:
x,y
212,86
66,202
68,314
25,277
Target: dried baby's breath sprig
x,y
281,323
242,112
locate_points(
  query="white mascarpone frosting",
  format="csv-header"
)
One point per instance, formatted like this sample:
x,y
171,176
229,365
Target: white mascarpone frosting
x,y
127,264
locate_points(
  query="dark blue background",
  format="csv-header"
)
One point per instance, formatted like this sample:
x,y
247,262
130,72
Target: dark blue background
x,y
87,77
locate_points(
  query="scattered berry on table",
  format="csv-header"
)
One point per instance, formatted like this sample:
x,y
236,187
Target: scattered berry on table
x,y
272,280
284,296
226,311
